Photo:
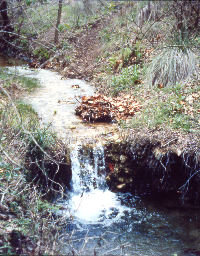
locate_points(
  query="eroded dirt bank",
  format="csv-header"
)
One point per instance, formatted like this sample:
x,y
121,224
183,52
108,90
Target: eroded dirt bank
x,y
156,166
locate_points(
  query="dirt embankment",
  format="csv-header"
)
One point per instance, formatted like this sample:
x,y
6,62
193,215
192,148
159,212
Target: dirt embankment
x,y
85,47
157,165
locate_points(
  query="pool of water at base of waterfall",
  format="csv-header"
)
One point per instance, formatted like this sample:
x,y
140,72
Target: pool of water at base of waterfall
x,y
131,227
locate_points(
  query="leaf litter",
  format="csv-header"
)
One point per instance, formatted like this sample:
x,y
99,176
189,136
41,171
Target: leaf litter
x,y
100,108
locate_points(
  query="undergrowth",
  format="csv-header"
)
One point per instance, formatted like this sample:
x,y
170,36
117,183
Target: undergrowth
x,y
14,81
176,107
28,221
126,80
144,52
30,217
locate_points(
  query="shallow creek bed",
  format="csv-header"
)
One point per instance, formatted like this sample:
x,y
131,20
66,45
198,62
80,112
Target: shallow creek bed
x,y
128,195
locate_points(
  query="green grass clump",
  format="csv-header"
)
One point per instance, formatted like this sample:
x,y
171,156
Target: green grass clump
x,y
29,84
42,54
45,140
169,107
22,83
126,80
171,66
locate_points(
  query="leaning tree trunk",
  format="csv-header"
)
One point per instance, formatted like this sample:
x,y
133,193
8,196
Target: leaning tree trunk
x,y
58,21
5,28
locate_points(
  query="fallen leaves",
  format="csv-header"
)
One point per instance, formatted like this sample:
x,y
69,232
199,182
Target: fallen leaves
x,y
101,108
76,86
188,104
111,167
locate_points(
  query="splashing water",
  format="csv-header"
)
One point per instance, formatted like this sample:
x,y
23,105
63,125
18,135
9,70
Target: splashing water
x,y
91,201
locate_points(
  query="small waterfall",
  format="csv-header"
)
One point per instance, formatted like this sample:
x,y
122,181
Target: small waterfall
x,y
88,168
91,201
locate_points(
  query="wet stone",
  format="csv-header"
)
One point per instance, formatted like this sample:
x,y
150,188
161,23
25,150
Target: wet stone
x,y
121,186
123,159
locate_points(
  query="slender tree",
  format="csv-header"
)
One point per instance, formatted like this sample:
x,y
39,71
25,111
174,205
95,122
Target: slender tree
x,y
58,21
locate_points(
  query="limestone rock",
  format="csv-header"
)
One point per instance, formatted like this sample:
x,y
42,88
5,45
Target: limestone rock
x,y
121,186
123,159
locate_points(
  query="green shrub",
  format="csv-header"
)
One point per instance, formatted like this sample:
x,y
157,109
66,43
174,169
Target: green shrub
x,y
42,54
105,35
125,80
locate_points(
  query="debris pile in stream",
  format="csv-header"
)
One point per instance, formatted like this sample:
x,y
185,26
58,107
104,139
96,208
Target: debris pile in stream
x,y
101,108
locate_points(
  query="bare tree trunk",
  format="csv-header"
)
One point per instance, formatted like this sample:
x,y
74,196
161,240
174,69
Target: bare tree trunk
x,y
5,28
4,13
87,7
58,21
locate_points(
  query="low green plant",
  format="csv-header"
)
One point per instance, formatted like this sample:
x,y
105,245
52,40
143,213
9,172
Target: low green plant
x,y
126,53
44,205
42,54
109,7
126,80
27,118
45,140
138,48
27,83
63,27
105,35
113,60
20,82
66,45
167,108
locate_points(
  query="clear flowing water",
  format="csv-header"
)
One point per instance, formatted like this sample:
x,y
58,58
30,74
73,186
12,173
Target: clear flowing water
x,y
101,222
55,102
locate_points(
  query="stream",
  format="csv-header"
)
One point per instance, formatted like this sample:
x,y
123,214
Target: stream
x,y
101,222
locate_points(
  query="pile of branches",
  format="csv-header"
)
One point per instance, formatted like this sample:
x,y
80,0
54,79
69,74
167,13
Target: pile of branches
x,y
100,108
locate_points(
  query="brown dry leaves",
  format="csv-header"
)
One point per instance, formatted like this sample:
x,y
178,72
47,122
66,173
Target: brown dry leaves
x,y
100,108
188,104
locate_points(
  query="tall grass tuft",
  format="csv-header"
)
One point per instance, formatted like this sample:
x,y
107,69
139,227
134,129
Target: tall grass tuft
x,y
171,66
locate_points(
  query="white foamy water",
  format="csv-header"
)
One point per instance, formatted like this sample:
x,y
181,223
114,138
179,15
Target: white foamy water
x,y
91,202
96,207
55,101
